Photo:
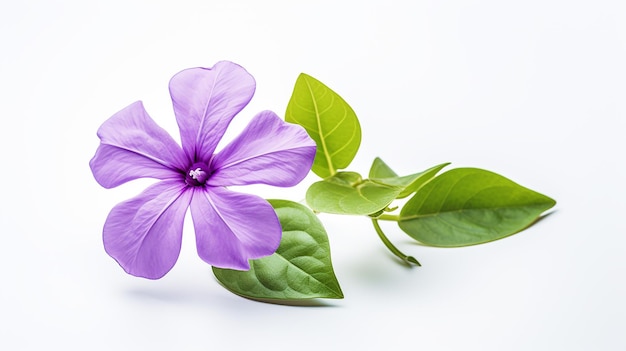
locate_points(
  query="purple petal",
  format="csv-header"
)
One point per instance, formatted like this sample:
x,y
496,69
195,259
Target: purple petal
x,y
205,101
144,234
133,146
232,228
268,151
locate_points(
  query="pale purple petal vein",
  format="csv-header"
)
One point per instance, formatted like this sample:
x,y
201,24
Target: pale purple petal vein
x,y
205,101
232,228
268,151
133,146
144,234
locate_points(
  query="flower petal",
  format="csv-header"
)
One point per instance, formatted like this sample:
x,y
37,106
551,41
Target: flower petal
x,y
205,101
133,146
144,234
232,228
268,151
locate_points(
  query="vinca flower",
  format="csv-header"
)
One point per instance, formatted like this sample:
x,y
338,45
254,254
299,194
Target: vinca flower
x,y
144,233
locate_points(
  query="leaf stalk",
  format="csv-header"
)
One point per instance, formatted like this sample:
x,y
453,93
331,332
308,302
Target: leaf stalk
x,y
388,217
391,247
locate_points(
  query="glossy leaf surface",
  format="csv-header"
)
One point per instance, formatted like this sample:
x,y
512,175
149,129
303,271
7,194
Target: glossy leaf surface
x,y
467,206
328,120
381,173
300,269
347,193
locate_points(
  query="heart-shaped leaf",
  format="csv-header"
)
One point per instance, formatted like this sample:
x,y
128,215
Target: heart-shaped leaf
x,y
328,120
347,193
383,174
467,206
300,269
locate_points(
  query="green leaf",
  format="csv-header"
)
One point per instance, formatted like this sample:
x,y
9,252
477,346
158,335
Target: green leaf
x,y
300,269
380,169
347,193
329,120
383,174
467,206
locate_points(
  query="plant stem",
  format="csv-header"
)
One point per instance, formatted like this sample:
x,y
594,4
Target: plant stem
x,y
391,247
388,217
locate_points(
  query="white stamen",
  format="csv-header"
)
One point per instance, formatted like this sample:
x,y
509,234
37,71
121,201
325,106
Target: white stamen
x,y
195,173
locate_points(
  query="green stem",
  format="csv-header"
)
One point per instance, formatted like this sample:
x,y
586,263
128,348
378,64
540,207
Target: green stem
x,y
388,217
390,246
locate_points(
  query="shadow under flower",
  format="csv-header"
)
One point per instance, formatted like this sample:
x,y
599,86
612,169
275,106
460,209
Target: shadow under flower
x,y
206,297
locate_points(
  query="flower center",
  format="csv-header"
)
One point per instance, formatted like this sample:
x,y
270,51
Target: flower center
x,y
197,174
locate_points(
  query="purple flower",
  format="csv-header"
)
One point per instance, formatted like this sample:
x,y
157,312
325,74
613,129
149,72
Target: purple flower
x,y
143,234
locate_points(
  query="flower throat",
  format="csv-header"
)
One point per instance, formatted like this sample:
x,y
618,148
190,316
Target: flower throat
x,y
197,174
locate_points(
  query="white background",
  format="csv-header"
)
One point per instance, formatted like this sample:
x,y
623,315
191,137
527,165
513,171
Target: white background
x,y
533,90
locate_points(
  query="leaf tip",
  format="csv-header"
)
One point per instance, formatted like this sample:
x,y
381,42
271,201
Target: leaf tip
x,y
303,75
